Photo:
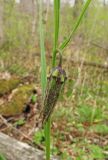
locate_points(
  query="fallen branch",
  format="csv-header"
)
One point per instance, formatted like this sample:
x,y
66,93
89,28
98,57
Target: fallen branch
x,y
85,63
10,126
16,150
99,46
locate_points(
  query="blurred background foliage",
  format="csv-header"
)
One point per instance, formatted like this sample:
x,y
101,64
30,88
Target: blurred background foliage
x,y
85,61
20,38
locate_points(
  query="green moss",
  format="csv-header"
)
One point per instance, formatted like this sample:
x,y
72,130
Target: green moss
x,y
8,85
15,106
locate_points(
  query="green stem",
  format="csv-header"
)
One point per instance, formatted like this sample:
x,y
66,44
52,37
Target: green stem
x,y
56,29
47,136
48,124
68,39
42,47
43,77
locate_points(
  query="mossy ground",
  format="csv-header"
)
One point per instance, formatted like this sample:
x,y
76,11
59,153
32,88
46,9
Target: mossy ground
x,y
15,106
8,85
80,119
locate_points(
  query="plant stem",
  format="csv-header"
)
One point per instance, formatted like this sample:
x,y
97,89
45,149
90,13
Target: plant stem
x,y
43,78
42,47
56,29
48,124
47,136
68,39
43,59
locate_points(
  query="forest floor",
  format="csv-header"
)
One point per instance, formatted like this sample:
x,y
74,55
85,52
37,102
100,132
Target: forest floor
x,y
81,133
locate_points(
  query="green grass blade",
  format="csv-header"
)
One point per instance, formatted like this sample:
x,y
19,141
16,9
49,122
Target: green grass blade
x,y
44,79
56,28
42,48
66,42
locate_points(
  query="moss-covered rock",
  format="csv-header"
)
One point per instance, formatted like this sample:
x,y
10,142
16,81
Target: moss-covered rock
x,y
15,106
7,86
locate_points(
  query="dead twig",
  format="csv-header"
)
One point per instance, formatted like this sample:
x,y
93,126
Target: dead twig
x,y
21,133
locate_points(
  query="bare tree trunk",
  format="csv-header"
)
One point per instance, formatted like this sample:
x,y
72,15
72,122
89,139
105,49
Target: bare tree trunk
x,y
26,6
30,7
104,2
77,5
47,11
1,23
34,18
78,2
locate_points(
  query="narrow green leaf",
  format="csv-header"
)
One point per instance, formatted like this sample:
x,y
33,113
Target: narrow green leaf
x,y
42,47
44,77
68,39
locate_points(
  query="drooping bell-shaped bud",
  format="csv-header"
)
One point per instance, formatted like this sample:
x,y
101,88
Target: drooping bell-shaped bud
x,y
55,83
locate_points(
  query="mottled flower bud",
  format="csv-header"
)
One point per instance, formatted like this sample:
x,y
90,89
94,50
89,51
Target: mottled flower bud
x,y
55,83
